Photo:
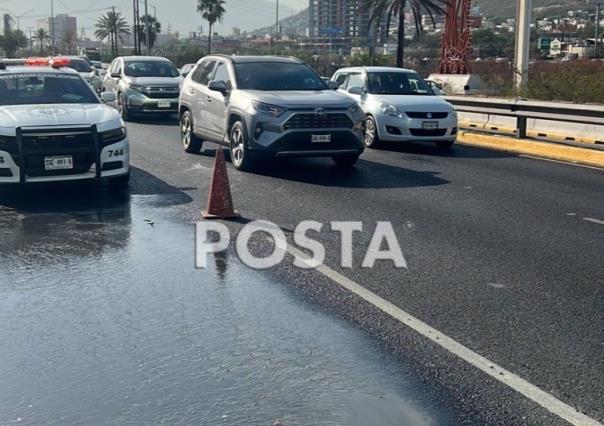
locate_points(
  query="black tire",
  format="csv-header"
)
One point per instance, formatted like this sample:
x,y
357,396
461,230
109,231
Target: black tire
x,y
346,161
120,182
190,142
372,139
444,145
241,157
122,108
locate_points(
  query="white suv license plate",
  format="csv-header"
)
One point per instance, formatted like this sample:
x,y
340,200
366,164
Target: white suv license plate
x,y
58,163
320,138
164,104
430,125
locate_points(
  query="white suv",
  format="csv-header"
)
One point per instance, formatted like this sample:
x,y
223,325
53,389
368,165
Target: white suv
x,y
53,127
399,106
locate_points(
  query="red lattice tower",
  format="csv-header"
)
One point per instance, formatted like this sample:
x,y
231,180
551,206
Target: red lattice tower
x,y
457,38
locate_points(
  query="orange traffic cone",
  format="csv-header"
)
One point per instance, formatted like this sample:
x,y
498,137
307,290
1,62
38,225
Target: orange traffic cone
x,y
220,202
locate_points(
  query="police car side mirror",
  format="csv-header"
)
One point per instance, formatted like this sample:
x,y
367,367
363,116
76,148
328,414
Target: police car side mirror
x,y
356,91
116,75
108,97
333,85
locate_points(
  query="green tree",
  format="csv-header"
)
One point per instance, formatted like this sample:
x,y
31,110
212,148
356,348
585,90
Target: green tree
x,y
212,11
114,27
12,41
154,30
42,38
380,9
488,43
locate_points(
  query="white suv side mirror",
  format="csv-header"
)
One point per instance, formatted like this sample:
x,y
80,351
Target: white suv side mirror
x,y
108,97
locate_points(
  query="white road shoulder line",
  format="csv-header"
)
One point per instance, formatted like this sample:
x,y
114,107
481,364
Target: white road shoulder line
x,y
544,399
591,219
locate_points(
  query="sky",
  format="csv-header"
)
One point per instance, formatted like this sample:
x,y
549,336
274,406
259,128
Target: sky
x,y
180,15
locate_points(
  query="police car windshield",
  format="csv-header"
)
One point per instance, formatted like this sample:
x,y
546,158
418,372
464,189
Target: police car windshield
x,y
44,88
150,69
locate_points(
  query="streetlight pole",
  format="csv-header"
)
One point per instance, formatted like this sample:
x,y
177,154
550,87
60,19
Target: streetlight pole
x,y
52,28
597,45
147,29
18,17
523,39
135,31
276,28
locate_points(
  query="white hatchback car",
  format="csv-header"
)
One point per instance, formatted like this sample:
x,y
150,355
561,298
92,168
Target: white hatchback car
x,y
399,106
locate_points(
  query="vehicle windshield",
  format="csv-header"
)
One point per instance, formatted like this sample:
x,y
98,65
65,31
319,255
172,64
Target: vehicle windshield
x,y
397,83
150,69
41,88
79,65
269,76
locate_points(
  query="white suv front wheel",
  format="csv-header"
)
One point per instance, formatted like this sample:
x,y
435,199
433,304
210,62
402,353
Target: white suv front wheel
x,y
241,157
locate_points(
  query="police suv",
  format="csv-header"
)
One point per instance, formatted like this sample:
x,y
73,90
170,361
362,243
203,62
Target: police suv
x,y
53,127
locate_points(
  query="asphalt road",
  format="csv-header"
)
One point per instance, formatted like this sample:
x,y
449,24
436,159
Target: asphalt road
x,y
503,254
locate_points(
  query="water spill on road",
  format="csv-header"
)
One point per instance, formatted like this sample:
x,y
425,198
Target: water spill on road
x,y
105,320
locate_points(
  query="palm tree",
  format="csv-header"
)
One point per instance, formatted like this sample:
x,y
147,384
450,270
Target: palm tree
x,y
113,27
397,8
212,11
41,37
154,30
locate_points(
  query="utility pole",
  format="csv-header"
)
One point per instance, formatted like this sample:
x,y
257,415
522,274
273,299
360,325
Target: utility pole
x,y
276,28
138,27
52,28
522,46
31,41
147,29
135,28
597,45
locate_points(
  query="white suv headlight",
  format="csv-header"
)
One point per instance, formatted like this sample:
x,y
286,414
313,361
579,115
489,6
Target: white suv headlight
x,y
391,110
136,87
273,110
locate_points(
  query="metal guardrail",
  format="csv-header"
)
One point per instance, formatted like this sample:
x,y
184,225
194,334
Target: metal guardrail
x,y
524,110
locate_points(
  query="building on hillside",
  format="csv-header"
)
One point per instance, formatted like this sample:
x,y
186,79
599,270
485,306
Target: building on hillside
x,y
338,23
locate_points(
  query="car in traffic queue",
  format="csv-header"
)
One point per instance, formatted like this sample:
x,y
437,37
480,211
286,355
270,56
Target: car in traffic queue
x,y
267,106
77,63
399,106
54,127
144,85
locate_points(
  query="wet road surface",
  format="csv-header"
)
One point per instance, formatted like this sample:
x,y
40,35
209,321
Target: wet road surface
x,y
500,258
105,321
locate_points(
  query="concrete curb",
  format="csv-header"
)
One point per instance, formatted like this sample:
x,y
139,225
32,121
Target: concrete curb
x,y
552,151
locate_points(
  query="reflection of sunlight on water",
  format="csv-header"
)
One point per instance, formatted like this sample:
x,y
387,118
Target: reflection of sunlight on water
x,y
122,328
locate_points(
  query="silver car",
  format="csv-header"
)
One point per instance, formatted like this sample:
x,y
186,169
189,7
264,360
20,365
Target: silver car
x,y
263,106
144,85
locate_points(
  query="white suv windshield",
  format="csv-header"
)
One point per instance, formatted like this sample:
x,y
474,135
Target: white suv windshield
x,y
150,69
277,76
397,83
41,88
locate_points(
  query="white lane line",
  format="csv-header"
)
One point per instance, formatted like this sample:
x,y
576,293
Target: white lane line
x,y
591,219
544,399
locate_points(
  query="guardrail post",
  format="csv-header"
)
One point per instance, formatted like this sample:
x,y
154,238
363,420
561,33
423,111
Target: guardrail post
x,y
521,127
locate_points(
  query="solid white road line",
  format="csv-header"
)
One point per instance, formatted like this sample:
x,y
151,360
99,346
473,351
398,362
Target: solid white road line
x,y
591,219
544,399
560,162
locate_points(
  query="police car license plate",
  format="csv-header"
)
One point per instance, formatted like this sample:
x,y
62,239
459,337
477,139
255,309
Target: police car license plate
x,y
320,138
164,104
58,163
430,125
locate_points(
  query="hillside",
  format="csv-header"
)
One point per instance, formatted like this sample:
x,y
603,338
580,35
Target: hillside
x,y
295,25
506,8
